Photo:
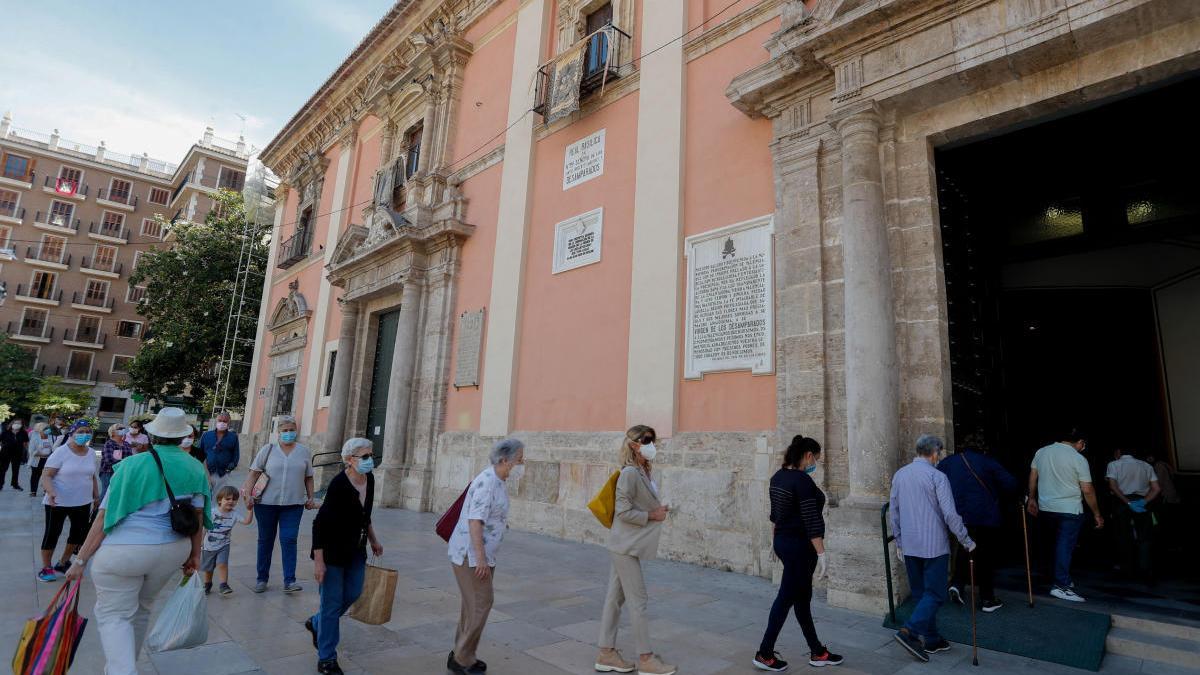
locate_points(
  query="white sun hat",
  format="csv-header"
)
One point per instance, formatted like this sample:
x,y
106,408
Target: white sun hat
x,y
169,423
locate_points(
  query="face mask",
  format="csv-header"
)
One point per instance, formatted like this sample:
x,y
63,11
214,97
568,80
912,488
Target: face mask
x,y
366,465
186,443
287,436
648,451
222,426
16,426
811,469
517,471
83,439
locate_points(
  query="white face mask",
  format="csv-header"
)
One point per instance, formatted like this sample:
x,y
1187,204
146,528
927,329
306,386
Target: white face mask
x,y
517,471
186,443
16,426
649,452
222,426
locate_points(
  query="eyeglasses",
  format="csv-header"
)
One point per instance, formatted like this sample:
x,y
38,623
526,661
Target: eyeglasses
x,y
647,440
367,456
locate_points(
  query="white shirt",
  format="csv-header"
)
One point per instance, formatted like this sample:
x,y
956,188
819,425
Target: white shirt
x,y
487,500
39,449
73,482
1133,476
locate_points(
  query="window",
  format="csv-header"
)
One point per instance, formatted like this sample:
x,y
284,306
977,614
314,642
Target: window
x,y
33,353
71,174
80,366
118,191
87,329
33,322
112,224
5,233
113,404
135,294
105,258
597,50
151,227
96,293
412,139
9,200
231,179
43,284
17,167
129,329
159,196
60,213
285,389
52,248
329,373
120,364
137,255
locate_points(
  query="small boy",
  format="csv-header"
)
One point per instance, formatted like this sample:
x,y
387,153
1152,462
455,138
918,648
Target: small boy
x,y
215,550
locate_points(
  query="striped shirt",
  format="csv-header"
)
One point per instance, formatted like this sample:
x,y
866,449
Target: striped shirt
x,y
922,508
796,504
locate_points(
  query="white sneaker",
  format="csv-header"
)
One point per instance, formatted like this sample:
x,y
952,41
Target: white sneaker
x,y
955,595
1066,594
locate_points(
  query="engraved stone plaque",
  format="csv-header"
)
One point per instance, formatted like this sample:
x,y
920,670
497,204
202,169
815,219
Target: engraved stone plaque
x,y
730,310
577,241
583,160
470,343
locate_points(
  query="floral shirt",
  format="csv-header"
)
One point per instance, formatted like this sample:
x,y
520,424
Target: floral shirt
x,y
113,452
486,500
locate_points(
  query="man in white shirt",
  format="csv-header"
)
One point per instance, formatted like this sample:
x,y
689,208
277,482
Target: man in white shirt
x,y
1134,485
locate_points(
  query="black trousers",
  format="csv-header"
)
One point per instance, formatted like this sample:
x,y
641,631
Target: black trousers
x,y
799,560
10,459
987,542
1135,535
56,517
35,475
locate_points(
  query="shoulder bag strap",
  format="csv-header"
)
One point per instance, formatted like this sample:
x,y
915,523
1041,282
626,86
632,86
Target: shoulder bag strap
x,y
972,470
170,493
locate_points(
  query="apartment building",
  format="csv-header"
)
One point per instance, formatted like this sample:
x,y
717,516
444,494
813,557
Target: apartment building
x,y
74,219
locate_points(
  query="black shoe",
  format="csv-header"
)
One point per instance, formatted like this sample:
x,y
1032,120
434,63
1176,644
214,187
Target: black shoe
x,y
18,488
311,629
329,668
452,665
826,658
955,595
208,588
940,646
62,567
772,662
912,644
991,605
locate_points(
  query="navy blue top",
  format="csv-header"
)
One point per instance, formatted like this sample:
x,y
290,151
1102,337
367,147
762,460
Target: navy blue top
x,y
974,503
222,457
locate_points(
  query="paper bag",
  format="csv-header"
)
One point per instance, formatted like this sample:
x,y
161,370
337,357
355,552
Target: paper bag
x,y
374,606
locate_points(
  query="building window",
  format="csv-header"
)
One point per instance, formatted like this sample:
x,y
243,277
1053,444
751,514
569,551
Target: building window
x,y
105,258
96,293
129,329
412,139
111,224
113,405
135,294
159,196
33,322
71,174
52,248
285,389
119,191
151,227
87,329
329,373
80,366
17,167
33,352
120,364
5,233
43,284
61,213
9,200
137,255
231,179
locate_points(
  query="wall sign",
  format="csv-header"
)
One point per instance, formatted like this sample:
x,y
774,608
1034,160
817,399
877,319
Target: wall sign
x,y
730,322
584,160
577,241
470,342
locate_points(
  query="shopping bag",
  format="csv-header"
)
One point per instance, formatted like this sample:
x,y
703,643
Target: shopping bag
x,y
183,621
48,642
374,606
604,504
449,520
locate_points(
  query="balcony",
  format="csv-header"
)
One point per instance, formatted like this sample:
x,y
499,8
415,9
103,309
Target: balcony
x,y
295,248
76,374
117,200
108,233
89,339
44,257
48,297
10,214
111,271
30,331
56,223
61,188
602,62
91,303
24,182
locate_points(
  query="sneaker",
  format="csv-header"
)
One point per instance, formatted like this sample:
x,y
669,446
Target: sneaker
x,y
654,666
991,605
62,567
912,644
226,589
47,575
18,488
1066,594
260,587
330,667
827,658
33,493
955,595
292,588
610,661
772,663
939,646
308,624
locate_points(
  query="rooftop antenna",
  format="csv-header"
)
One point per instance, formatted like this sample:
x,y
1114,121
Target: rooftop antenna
x,y
243,119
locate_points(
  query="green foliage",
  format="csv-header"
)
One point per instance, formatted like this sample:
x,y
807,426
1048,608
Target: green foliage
x,y
18,382
189,286
5,412
56,398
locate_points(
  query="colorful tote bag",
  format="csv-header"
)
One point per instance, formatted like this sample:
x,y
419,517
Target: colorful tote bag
x,y
48,642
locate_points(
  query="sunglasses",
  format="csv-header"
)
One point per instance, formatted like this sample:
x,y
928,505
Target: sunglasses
x,y
367,456
646,440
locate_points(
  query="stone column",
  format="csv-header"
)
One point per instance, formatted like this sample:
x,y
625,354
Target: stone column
x,y
423,162
401,378
339,398
387,140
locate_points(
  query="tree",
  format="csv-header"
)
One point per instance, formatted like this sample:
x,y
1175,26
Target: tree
x,y
189,287
18,382
55,398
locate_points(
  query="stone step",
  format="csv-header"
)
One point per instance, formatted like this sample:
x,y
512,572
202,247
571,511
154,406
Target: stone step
x,y
1186,631
1154,646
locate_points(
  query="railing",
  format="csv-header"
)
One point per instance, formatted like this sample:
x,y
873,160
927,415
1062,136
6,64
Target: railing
x,y
27,177
52,182
13,212
76,374
602,61
56,220
89,337
179,188
295,248
63,257
84,299
37,330
46,294
103,230
126,198
113,267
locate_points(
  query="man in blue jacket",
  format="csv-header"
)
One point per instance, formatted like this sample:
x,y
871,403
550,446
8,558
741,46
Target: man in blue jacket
x,y
979,484
221,451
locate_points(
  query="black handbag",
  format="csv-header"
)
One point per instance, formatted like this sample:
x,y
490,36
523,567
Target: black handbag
x,y
183,517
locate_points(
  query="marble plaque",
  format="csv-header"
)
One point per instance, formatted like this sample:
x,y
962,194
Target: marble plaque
x,y
470,343
730,308
577,241
584,160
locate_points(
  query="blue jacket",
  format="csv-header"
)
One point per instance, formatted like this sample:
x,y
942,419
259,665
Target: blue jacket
x,y
222,457
974,503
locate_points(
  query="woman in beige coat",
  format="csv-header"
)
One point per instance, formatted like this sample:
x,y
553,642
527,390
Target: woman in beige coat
x,y
634,537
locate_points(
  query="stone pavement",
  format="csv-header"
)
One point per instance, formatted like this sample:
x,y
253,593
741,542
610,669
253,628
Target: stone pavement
x,y
548,599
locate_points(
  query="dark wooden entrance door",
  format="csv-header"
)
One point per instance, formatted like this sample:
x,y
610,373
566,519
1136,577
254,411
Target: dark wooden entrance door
x,y
381,372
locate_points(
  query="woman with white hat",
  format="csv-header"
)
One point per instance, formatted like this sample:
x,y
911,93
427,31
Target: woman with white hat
x,y
137,545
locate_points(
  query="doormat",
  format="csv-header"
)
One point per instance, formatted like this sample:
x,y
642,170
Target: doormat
x,y
1051,633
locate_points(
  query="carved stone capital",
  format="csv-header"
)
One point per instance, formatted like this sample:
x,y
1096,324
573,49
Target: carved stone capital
x,y
864,117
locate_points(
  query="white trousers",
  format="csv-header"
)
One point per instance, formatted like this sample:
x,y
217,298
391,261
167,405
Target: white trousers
x,y
127,579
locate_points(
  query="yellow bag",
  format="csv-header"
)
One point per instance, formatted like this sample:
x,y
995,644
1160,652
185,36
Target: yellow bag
x,y
604,504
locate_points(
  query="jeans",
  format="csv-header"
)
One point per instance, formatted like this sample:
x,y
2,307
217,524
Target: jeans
x,y
339,590
927,578
105,478
287,520
987,545
799,560
1067,526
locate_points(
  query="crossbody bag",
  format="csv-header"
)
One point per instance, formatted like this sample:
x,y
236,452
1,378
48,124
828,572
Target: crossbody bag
x,y
264,478
183,517
981,483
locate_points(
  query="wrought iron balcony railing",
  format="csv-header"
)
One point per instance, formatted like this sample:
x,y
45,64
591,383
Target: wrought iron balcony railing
x,y
295,248
602,62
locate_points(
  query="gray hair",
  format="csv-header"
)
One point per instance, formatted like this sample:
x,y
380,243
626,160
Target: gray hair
x,y
929,445
225,414
353,444
505,449
286,419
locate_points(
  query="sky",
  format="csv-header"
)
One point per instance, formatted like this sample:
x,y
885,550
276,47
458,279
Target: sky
x,y
149,76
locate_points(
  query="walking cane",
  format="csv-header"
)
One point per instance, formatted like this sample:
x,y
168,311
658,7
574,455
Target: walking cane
x,y
1025,536
974,640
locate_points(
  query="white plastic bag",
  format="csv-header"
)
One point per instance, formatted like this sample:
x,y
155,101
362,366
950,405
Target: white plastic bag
x,y
183,622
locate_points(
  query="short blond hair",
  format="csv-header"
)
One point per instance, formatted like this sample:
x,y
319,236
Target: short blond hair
x,y
114,427
635,433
